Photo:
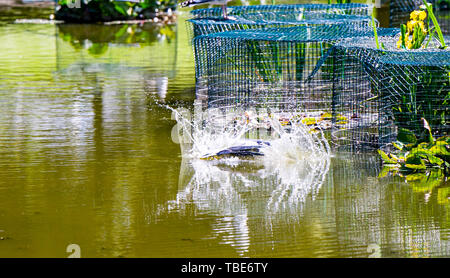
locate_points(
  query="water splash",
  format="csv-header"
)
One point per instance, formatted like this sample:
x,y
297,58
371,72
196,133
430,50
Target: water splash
x,y
292,169
279,136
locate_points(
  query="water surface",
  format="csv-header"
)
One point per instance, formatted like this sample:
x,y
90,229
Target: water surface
x,y
86,157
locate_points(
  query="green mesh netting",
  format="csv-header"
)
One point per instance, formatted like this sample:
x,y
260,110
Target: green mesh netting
x,y
400,10
270,68
261,20
389,90
443,17
352,8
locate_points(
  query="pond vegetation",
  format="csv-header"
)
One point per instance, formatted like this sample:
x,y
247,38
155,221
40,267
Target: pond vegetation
x,y
106,10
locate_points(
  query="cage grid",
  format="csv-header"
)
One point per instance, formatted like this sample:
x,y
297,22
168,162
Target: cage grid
x,y
400,10
266,20
257,69
388,90
443,17
349,8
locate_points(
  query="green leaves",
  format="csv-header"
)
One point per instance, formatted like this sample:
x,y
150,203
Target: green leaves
x,y
386,158
121,7
108,10
375,33
429,8
413,155
406,136
403,36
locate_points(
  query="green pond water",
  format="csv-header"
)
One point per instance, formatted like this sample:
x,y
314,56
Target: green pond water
x,y
86,158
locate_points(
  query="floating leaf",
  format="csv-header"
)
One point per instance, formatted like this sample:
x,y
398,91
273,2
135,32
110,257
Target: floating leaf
x,y
416,166
309,121
435,160
443,195
326,116
415,177
427,154
414,158
386,158
341,118
398,145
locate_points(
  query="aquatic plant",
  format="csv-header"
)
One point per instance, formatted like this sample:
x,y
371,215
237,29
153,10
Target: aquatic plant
x,y
415,32
417,153
106,10
418,89
423,162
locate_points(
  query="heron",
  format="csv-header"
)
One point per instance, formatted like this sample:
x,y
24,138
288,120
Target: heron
x,y
223,3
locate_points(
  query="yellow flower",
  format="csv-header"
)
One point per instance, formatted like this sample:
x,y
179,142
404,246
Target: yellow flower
x,y
422,26
422,15
415,15
409,44
411,25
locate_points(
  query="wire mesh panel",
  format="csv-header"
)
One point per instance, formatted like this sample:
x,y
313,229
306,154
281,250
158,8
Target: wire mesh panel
x,y
350,8
263,20
270,68
443,16
400,10
389,90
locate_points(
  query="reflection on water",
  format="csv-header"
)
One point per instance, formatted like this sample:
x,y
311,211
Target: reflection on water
x,y
378,211
124,51
96,38
86,157
240,190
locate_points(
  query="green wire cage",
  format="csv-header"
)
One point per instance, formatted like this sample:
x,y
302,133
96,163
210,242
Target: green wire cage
x,y
350,9
275,69
389,90
265,20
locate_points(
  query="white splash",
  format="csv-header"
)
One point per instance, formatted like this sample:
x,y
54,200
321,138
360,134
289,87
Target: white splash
x,y
294,162
292,169
204,133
